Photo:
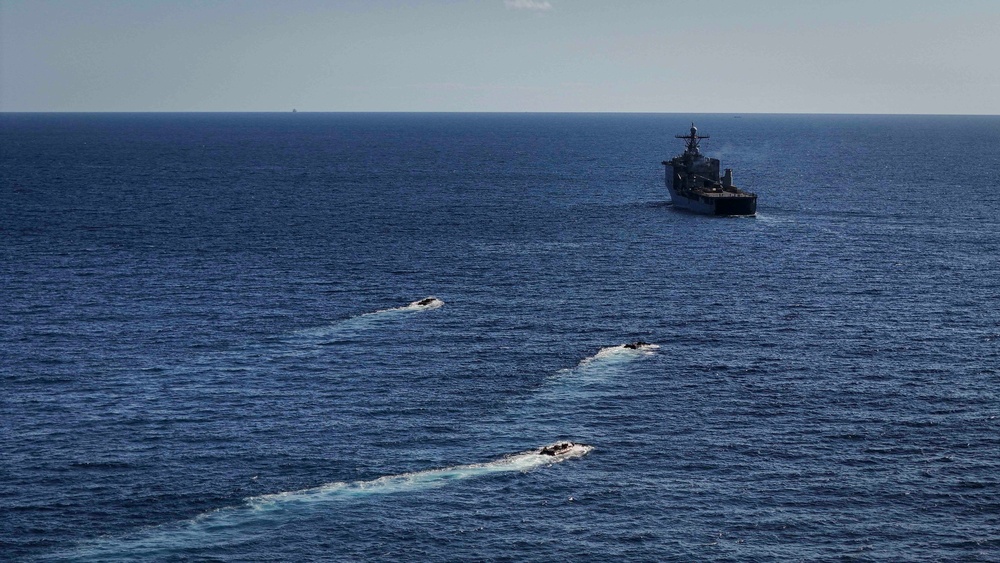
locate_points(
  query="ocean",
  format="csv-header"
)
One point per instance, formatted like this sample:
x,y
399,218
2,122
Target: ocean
x,y
212,345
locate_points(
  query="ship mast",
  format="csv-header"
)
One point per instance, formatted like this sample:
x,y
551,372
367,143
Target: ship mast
x,y
692,140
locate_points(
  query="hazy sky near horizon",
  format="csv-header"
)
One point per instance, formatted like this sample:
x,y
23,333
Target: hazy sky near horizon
x,y
740,56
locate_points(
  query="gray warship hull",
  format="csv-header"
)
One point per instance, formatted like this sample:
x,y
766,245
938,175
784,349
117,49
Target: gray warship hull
x,y
713,203
695,184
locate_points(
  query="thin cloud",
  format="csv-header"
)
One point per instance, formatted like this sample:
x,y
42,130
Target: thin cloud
x,y
533,5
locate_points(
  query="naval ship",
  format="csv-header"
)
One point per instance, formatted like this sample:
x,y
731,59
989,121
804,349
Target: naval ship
x,y
695,184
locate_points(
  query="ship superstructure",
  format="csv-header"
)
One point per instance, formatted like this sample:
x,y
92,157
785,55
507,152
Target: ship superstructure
x,y
695,184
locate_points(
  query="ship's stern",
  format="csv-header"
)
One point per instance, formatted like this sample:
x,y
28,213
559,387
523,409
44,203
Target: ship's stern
x,y
746,205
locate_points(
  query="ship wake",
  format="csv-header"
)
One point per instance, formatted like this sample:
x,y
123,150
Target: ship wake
x,y
369,320
575,390
238,524
623,353
520,462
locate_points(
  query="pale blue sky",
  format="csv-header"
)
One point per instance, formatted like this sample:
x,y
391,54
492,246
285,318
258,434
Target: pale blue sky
x,y
813,56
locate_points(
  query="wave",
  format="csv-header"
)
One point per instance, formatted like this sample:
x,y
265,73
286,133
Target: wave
x,y
236,524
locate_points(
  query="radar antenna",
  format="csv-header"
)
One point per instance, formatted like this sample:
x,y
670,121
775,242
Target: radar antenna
x,y
692,140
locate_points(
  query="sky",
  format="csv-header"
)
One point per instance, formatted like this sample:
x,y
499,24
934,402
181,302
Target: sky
x,y
688,56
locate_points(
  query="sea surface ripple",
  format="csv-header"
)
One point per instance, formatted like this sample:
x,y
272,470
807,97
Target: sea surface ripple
x,y
213,344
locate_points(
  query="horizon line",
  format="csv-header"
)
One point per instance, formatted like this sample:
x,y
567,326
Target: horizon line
x,y
497,112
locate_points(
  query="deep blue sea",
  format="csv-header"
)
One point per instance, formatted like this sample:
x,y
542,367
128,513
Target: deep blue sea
x,y
209,347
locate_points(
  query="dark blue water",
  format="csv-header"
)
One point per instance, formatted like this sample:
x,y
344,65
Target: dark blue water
x,y
207,352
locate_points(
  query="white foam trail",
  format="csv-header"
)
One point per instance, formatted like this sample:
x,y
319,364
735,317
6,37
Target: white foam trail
x,y
595,370
521,462
600,369
619,354
236,524
425,304
365,320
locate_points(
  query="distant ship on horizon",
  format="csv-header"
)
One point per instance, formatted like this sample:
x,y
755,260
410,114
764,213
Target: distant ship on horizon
x,y
695,184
